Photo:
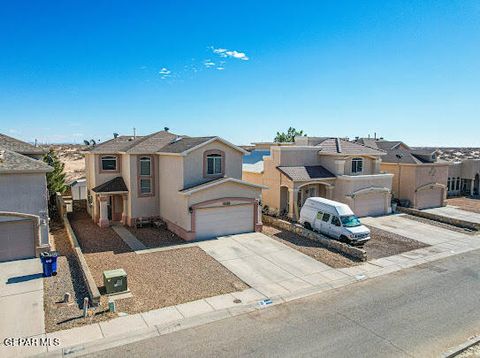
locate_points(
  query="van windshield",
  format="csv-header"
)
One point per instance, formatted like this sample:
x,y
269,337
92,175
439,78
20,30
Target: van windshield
x,y
350,221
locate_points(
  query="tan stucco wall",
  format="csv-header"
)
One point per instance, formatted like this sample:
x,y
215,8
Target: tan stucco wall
x,y
142,206
408,178
173,205
193,163
467,169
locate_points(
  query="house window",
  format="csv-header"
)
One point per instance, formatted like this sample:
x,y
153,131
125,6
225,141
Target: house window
x,y
109,163
357,165
145,176
214,164
449,184
458,184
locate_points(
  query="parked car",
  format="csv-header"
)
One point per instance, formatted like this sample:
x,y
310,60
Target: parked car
x,y
333,219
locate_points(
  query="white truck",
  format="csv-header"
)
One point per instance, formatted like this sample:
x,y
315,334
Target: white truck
x,y
333,219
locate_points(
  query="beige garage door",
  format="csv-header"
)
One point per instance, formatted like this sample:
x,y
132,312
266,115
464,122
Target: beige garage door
x,y
16,240
370,204
429,198
225,220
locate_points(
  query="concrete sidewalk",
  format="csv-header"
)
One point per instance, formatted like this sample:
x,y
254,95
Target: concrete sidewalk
x,y
128,237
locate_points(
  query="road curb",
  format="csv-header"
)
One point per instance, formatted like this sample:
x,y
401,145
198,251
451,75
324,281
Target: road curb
x,y
453,352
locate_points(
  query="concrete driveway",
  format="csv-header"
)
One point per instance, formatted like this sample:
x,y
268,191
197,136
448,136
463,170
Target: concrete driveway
x,y
21,300
426,233
267,265
456,213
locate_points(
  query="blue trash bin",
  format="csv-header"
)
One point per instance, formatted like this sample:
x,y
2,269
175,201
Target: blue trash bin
x,y
49,263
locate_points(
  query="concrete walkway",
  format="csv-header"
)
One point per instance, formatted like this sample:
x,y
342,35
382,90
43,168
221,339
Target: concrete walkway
x,y
456,213
21,303
128,237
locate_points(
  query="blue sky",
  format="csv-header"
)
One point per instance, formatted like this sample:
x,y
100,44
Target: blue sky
x,y
242,70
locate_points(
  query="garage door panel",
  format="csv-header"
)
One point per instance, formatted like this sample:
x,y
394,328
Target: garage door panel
x,y
16,240
370,204
429,198
226,220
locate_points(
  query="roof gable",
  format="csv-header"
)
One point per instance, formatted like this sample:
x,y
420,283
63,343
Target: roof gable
x,y
19,146
341,146
11,162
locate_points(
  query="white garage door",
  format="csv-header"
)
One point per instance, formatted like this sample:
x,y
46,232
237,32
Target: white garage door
x,y
226,220
370,204
429,198
16,240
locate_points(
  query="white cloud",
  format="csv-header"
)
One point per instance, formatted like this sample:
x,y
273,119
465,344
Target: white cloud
x,y
225,53
165,73
220,68
208,63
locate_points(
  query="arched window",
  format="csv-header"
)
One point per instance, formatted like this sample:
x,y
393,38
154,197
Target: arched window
x,y
214,163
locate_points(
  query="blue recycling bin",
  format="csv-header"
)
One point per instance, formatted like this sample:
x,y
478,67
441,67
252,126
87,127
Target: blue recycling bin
x,y
49,263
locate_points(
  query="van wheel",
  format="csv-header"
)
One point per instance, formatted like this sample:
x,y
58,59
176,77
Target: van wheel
x,y
345,239
308,226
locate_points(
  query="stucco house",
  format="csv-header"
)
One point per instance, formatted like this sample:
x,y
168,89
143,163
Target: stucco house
x,y
328,167
194,184
464,178
23,200
419,176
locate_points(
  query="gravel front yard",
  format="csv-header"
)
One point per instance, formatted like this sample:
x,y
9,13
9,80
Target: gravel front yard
x,y
382,244
69,279
467,204
156,237
157,279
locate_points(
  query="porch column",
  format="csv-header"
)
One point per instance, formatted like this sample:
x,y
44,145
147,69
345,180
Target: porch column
x,y
329,191
376,166
103,221
293,203
125,209
472,186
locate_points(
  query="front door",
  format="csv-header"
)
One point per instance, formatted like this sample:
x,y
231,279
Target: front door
x,y
109,207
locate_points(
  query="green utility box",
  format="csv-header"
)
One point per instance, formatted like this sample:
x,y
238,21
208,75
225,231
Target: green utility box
x,y
115,281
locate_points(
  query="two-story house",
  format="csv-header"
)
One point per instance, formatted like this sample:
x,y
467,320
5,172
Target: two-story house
x,y
327,167
23,200
420,178
192,183
464,178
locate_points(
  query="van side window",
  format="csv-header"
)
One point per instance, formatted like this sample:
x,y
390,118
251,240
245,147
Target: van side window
x,y
319,215
336,221
326,217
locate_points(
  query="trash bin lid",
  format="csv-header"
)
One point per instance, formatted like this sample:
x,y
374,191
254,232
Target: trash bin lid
x,y
114,273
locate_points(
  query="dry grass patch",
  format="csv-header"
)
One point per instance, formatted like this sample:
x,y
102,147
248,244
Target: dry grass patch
x,y
156,237
472,205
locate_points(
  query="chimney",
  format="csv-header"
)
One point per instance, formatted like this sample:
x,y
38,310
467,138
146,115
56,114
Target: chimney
x,y
36,142
375,135
134,133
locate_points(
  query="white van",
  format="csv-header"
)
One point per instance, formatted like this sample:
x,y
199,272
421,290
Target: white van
x,y
333,219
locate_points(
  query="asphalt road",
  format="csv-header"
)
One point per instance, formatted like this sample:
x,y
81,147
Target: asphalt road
x,y
418,312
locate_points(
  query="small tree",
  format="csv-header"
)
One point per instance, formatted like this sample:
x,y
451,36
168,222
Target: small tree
x,y
56,178
289,136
